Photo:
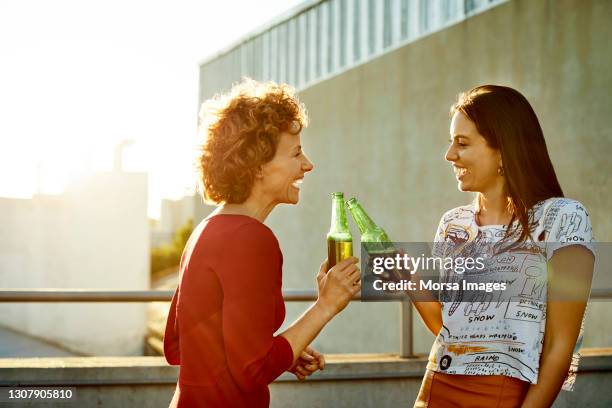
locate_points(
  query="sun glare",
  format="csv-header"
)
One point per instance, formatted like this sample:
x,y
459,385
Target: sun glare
x,y
76,84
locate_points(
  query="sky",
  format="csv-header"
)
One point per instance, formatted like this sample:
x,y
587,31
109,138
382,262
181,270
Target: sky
x,y
78,77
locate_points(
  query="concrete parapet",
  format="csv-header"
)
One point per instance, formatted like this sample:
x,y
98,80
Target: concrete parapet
x,y
350,380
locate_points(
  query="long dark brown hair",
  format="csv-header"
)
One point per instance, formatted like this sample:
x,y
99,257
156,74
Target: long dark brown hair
x,y
508,123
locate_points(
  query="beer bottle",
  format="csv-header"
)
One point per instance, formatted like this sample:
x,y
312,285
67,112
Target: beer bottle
x,y
373,238
339,238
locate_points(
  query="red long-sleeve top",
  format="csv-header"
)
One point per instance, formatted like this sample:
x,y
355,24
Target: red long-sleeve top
x,y
224,313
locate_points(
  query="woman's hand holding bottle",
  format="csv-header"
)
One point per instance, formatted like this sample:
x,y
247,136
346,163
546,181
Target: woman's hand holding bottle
x,y
336,289
338,285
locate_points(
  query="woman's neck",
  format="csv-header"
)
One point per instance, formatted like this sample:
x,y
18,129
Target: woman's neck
x,y
253,207
493,209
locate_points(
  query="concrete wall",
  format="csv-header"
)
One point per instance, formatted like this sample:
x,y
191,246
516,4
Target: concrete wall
x,y
174,214
95,235
377,381
379,132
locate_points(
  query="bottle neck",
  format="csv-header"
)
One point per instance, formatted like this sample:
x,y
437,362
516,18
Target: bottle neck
x,y
362,219
339,222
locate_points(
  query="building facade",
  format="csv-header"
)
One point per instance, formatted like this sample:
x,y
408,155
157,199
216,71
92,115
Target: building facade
x,y
378,78
93,236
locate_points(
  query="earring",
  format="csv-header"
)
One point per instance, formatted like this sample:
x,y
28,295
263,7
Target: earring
x,y
500,171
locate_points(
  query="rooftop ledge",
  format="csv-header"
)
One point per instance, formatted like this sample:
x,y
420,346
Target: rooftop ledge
x,y
154,370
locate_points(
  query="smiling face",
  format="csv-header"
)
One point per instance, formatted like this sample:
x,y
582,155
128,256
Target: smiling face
x,y
475,163
281,177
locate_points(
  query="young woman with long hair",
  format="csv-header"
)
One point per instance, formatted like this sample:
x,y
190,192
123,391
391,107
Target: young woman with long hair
x,y
517,347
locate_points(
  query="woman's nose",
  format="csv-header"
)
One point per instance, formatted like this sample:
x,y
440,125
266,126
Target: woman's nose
x,y
307,164
451,154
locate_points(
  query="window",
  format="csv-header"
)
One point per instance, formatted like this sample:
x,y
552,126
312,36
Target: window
x,y
343,42
387,25
356,33
318,46
330,37
371,26
424,16
404,20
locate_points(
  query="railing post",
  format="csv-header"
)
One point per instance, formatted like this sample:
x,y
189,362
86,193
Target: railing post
x,y
406,349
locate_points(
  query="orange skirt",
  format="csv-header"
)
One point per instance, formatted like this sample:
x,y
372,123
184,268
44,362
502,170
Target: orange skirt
x,y
474,391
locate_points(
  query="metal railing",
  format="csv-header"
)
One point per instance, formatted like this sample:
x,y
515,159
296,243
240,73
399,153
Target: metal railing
x,y
98,295
291,295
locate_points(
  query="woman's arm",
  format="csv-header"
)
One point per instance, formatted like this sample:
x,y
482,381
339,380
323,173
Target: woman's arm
x,y
172,351
250,281
431,315
569,284
336,290
249,274
428,306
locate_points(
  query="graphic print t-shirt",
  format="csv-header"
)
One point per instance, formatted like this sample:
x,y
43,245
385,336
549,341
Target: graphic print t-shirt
x,y
501,332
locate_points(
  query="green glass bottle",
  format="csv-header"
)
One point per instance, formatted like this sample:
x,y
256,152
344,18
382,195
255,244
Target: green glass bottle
x,y
373,237
339,238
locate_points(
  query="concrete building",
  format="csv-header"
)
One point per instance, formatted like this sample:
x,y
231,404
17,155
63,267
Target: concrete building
x,y
174,214
94,235
378,78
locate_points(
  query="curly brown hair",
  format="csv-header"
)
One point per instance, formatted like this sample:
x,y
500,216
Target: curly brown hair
x,y
241,131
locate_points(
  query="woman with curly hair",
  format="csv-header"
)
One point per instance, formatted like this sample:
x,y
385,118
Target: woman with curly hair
x,y
228,304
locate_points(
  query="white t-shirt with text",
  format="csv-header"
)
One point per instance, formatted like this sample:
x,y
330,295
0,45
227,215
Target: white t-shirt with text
x,y
502,333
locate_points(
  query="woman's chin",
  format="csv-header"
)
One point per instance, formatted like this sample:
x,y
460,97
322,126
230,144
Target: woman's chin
x,y
292,199
463,187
